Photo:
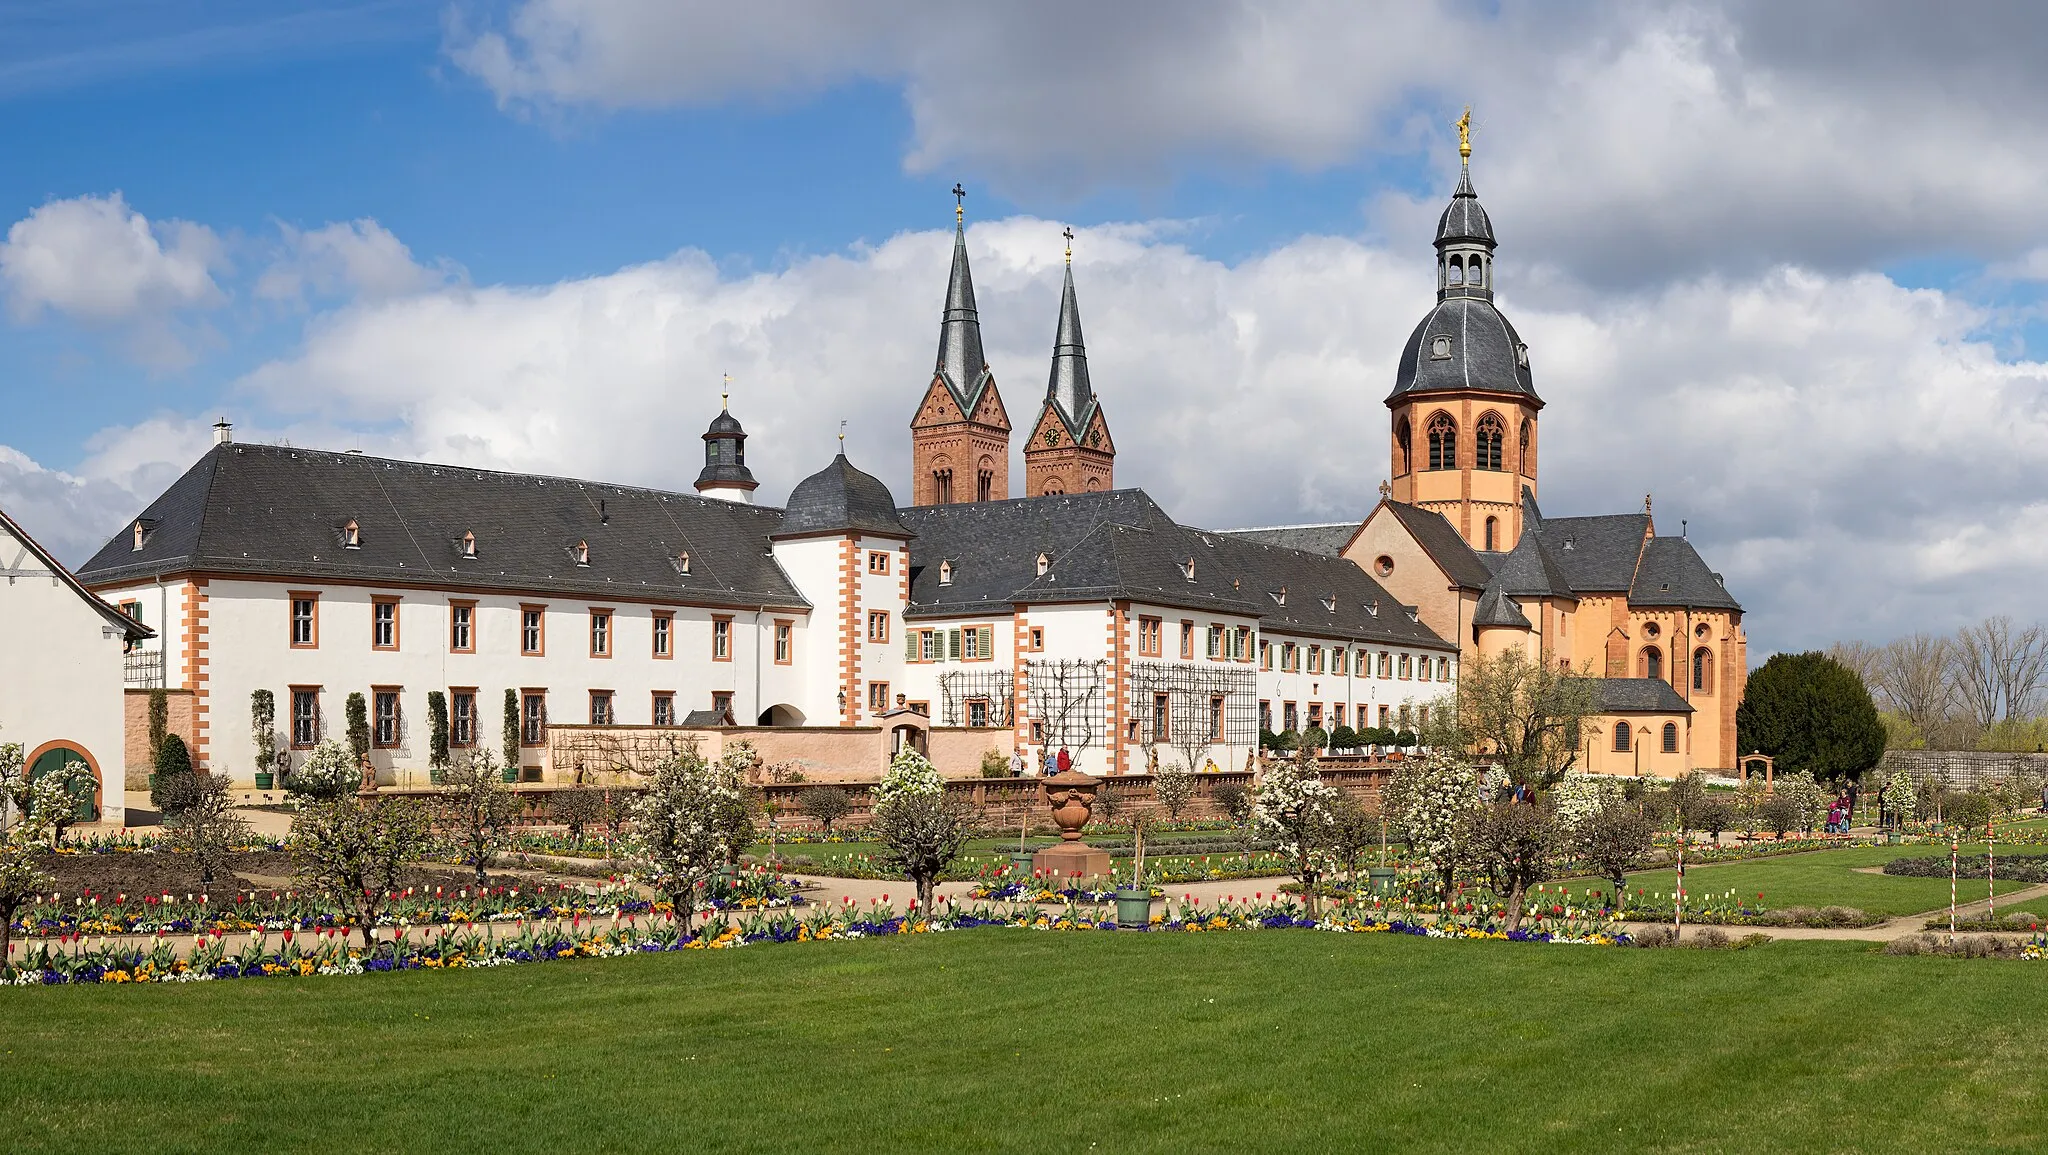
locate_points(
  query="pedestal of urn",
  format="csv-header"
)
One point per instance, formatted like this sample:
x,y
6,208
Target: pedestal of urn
x,y
1071,794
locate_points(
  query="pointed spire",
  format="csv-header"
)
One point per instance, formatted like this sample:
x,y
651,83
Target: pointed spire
x,y
961,361
1068,389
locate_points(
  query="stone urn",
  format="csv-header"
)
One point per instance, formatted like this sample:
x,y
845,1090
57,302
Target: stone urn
x,y
1071,794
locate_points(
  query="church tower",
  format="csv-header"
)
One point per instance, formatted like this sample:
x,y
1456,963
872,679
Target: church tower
x,y
1464,406
1070,450
960,437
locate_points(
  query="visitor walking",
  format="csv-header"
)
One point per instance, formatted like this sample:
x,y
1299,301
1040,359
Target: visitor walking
x,y
1017,763
1065,762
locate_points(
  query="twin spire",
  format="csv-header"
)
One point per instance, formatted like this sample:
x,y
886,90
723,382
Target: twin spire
x,y
1070,427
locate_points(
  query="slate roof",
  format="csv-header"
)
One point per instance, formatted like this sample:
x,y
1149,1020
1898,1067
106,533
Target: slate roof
x,y
279,511
1121,545
1637,695
1673,574
1483,353
1444,544
1599,553
838,498
961,361
725,457
1530,570
135,631
1495,608
1328,539
1068,389
1463,219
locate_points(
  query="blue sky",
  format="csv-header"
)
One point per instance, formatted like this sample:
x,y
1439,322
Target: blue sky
x,y
484,230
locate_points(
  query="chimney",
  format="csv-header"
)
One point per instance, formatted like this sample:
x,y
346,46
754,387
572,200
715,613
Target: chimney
x,y
223,432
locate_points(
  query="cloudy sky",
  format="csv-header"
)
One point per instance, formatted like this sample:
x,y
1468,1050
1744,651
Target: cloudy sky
x,y
1780,265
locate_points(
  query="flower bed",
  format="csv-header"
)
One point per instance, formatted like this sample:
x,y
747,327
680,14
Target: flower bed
x,y
2017,868
330,952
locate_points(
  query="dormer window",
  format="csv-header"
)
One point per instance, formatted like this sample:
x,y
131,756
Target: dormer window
x,y
683,562
1330,603
351,535
469,546
1522,355
144,526
1570,543
1187,569
945,573
1440,348
1280,596
582,552
1373,607
1044,564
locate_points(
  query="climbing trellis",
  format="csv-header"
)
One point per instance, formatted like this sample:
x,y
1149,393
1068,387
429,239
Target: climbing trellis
x,y
1191,688
1066,698
957,688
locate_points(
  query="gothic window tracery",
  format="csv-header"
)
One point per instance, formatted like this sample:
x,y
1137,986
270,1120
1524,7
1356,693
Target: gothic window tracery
x,y
1491,435
1443,442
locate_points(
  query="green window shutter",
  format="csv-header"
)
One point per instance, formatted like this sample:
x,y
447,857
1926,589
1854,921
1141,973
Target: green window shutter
x,y
910,645
953,642
988,641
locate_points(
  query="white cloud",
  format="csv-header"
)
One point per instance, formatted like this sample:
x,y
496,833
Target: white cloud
x,y
1635,141
1845,450
360,258
99,262
74,513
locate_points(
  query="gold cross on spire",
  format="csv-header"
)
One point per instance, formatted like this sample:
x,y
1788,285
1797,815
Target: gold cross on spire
x,y
725,397
842,437
959,204
1465,135
1068,233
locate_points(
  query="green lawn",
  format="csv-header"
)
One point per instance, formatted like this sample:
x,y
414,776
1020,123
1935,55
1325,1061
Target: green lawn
x,y
1010,1040
1821,878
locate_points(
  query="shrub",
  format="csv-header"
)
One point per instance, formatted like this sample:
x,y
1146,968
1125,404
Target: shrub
x,y
994,764
263,728
159,719
1779,814
329,772
577,809
1174,787
1713,816
437,729
1315,738
477,811
1612,841
353,853
1969,811
510,734
173,761
1344,738
922,831
204,823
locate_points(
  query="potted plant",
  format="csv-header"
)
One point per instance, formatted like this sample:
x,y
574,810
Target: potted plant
x,y
262,717
1134,902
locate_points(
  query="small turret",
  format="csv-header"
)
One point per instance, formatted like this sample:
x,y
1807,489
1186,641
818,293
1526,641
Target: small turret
x,y
725,474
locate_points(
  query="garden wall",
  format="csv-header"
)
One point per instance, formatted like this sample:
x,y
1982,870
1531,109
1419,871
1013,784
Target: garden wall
x,y
182,721
820,753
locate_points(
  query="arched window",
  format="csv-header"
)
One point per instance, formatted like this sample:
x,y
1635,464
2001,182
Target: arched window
x,y
1492,527
1652,663
1457,270
1443,442
1525,453
1703,671
1671,737
1621,737
1475,274
1491,434
1404,455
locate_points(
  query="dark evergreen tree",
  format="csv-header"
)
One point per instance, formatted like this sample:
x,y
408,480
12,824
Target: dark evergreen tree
x,y
1810,712
358,727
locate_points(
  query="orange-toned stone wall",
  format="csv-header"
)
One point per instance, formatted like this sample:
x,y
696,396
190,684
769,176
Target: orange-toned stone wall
x,y
182,720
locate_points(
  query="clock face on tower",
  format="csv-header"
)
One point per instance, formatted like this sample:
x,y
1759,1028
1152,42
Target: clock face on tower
x,y
1052,437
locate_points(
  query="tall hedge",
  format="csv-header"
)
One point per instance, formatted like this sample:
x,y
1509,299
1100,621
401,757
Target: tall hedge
x,y
511,728
1812,713
437,726
173,762
159,719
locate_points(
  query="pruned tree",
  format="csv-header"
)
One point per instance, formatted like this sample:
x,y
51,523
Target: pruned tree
x,y
263,728
173,762
437,729
825,805
1612,841
476,811
1516,845
684,833
1174,787
23,846
921,830
352,853
328,772
1524,712
1236,803
1291,809
199,814
159,720
1433,799
1354,830
358,713
509,734
577,808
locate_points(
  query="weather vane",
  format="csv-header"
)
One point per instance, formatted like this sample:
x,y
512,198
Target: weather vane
x,y
1068,233
959,204
725,397
1465,135
842,437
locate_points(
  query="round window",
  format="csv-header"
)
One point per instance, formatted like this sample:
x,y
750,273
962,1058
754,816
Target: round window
x,y
1650,630
1383,565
